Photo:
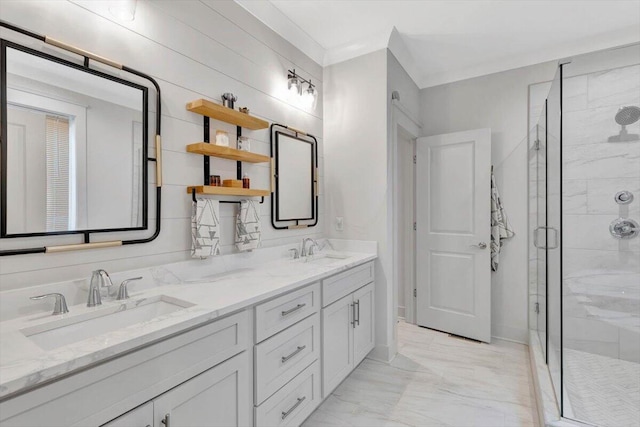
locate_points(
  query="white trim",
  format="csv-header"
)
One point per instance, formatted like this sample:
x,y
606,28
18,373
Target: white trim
x,y
275,19
357,48
588,45
381,353
414,130
400,117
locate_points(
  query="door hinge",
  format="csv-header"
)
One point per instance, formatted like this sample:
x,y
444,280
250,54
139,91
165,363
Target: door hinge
x,y
536,307
536,145
415,293
415,226
415,159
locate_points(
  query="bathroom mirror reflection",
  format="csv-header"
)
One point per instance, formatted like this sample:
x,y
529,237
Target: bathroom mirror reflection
x,y
74,146
295,185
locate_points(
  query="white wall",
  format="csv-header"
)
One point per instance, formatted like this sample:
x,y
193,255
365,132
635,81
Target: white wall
x,y
498,101
355,120
194,49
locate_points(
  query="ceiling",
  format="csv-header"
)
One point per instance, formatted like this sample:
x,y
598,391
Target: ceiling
x,y
445,41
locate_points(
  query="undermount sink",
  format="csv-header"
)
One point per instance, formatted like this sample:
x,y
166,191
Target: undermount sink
x,y
326,258
59,333
217,277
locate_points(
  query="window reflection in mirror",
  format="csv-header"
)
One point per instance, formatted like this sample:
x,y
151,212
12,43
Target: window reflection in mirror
x,y
74,157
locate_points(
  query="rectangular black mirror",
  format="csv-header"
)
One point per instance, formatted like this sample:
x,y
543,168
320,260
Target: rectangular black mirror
x,y
74,152
295,171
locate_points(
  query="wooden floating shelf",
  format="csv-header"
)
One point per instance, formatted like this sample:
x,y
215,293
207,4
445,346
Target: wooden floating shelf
x,y
227,191
226,153
224,114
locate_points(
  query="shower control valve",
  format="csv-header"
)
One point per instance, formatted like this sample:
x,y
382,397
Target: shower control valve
x,y
624,228
623,197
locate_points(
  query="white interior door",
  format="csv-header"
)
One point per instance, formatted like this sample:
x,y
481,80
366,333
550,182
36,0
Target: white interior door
x,y
453,276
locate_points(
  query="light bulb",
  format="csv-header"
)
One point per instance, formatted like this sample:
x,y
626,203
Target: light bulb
x,y
310,97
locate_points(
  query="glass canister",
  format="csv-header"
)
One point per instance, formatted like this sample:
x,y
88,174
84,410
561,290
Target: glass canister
x,y
244,144
222,138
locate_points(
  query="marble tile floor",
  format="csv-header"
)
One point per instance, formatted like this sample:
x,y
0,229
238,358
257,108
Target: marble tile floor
x,y
603,391
436,380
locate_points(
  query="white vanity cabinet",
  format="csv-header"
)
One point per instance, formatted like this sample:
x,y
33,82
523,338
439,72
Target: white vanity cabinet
x,y
218,397
286,358
347,323
268,364
107,390
142,416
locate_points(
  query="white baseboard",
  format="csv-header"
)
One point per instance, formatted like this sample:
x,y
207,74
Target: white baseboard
x,y
381,353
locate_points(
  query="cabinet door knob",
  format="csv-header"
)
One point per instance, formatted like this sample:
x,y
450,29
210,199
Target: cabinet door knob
x,y
166,420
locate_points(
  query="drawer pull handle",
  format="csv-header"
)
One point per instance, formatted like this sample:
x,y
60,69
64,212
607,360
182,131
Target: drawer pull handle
x,y
293,408
297,350
166,420
292,310
353,315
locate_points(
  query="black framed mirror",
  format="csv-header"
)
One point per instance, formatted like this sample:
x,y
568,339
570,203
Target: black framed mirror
x,y
294,197
72,162
74,147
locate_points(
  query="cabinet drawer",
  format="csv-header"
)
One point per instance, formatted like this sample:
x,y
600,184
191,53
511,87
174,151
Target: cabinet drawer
x,y
283,356
128,381
280,313
336,287
294,402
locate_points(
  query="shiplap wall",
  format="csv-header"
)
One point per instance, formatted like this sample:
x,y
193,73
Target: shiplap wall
x,y
194,49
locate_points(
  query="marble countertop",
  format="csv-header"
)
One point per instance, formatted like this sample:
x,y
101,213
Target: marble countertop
x,y
24,365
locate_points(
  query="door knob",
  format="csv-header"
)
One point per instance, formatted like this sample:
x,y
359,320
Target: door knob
x,y
481,245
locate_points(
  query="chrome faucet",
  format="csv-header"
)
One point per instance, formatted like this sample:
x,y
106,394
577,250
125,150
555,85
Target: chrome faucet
x,y
303,252
60,306
123,292
99,279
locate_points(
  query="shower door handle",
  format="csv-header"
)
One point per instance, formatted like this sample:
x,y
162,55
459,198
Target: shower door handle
x,y
546,228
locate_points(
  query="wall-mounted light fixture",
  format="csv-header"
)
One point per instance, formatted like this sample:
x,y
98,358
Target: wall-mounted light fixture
x,y
124,10
306,97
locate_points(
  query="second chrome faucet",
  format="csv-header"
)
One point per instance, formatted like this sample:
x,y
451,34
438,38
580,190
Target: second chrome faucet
x,y
101,279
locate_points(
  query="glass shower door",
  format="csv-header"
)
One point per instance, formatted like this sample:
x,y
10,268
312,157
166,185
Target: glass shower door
x,y
554,233
539,232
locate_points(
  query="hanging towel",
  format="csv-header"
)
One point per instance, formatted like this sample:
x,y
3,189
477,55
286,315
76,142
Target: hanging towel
x,y
248,233
500,227
205,228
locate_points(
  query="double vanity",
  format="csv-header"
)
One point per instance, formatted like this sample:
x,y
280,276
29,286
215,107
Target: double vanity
x,y
196,344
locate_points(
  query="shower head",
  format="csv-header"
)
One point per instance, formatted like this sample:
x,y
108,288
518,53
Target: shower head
x,y
624,117
628,115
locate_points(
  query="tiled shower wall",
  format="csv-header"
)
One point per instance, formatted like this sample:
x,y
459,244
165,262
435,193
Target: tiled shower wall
x,y
601,273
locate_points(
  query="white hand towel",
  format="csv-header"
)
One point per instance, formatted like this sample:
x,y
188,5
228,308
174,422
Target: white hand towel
x,y
205,228
248,233
500,227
